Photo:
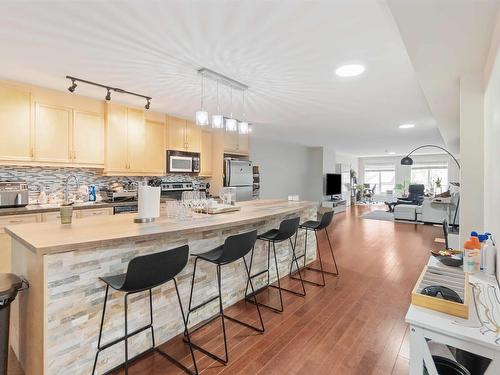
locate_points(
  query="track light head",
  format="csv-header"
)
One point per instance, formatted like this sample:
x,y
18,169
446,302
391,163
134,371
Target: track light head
x,y
108,95
148,104
73,86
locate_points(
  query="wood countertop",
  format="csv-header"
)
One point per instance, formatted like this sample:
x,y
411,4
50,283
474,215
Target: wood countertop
x,y
53,237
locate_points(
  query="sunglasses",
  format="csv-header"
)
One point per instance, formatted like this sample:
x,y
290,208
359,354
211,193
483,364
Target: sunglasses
x,y
443,292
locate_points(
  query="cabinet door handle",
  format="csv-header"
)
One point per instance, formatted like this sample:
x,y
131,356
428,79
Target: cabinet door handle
x,y
32,152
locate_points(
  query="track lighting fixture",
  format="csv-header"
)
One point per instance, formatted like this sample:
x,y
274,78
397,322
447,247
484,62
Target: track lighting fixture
x,y
73,86
108,88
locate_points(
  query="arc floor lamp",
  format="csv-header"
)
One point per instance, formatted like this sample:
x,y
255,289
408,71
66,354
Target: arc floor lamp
x,y
409,161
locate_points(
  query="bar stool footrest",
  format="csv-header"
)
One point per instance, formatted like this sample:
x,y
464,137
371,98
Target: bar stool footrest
x,y
120,339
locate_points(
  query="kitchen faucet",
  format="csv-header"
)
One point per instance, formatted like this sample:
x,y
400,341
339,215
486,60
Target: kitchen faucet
x,y
66,188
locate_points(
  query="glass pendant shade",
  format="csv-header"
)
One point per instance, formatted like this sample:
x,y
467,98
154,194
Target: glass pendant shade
x,y
202,118
231,125
217,121
243,127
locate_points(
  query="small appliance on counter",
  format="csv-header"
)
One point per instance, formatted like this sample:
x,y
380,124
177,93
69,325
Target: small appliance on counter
x,y
183,162
13,194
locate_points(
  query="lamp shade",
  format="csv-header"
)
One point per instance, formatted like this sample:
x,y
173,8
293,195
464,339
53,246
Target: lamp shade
x,y
243,127
202,118
231,125
217,121
407,161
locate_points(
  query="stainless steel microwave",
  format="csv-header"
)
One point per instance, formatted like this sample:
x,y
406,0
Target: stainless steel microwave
x,y
183,162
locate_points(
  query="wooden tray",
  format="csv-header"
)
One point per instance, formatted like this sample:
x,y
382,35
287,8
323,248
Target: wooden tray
x,y
451,278
223,209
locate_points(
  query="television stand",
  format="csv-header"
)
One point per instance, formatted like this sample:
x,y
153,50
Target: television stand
x,y
337,204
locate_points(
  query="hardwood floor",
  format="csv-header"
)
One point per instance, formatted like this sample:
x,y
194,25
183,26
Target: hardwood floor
x,y
354,325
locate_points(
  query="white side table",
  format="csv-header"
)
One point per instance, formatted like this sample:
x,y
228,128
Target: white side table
x,y
465,334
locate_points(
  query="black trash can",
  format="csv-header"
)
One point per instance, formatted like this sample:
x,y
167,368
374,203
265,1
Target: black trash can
x,y
10,284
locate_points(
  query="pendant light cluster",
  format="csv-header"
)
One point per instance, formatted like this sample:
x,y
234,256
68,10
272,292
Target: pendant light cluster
x,y
108,88
219,121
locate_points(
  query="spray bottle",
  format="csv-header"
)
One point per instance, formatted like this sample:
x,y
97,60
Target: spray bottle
x,y
490,254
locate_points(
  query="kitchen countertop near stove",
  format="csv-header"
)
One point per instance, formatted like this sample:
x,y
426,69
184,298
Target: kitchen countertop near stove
x,y
41,208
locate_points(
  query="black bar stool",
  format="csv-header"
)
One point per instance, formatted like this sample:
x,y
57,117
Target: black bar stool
x,y
145,273
288,228
233,249
316,226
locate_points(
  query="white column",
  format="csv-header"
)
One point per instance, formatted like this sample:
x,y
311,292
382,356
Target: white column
x,y
471,154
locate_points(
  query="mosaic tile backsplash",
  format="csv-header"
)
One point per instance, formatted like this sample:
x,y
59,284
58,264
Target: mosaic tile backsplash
x,y
51,180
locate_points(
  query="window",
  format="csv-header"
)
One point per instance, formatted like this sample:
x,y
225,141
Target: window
x,y
382,176
427,174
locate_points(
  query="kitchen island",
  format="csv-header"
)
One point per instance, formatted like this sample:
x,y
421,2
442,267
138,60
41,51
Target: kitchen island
x,y
55,323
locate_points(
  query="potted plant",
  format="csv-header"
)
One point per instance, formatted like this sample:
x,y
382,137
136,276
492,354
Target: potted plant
x,y
438,183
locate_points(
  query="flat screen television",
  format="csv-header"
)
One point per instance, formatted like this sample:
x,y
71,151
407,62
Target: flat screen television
x,y
333,184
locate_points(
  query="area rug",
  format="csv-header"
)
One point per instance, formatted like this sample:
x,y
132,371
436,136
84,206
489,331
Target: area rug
x,y
379,215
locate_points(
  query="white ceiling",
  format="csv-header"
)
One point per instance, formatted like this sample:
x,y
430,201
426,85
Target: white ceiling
x,y
285,51
445,39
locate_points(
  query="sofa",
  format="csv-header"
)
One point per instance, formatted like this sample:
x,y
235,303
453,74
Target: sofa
x,y
430,211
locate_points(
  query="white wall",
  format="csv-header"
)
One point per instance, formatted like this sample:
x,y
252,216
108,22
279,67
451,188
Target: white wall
x,y
472,154
285,169
492,149
289,169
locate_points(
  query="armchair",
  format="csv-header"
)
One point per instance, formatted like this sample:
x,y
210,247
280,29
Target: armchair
x,y
415,195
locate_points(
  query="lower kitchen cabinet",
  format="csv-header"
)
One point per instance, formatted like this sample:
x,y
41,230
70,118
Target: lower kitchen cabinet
x,y
80,214
5,240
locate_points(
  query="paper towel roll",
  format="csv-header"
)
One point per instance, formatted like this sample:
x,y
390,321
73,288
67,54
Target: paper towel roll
x,y
148,202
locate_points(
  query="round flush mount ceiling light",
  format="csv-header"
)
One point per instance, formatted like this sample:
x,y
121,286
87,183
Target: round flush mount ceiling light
x,y
406,126
350,70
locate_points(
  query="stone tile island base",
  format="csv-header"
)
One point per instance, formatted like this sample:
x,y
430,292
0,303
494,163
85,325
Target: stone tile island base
x,y
55,324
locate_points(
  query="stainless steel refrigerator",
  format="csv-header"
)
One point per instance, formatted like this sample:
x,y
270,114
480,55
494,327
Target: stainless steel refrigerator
x,y
239,174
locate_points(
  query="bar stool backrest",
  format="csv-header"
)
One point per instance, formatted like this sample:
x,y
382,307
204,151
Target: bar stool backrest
x,y
288,228
237,246
326,220
147,271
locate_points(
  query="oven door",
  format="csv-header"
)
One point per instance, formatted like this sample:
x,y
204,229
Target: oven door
x,y
178,163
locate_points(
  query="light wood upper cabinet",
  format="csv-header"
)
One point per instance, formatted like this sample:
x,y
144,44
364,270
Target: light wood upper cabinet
x,y
134,146
193,137
136,140
155,155
52,133
15,117
236,143
183,135
88,138
176,134
206,154
116,138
